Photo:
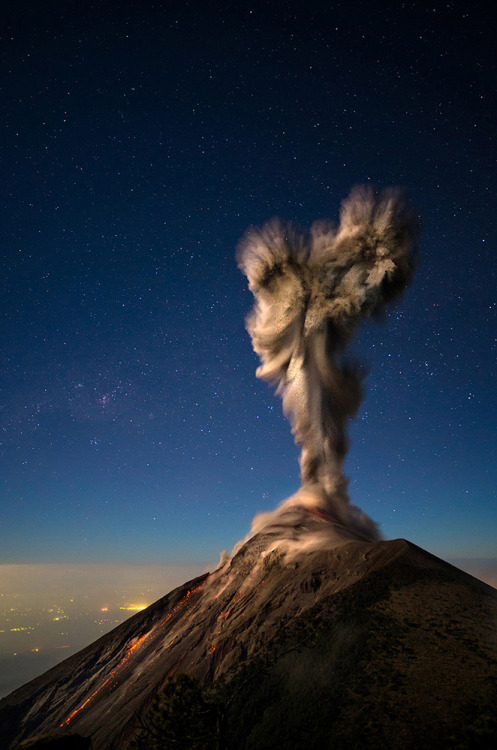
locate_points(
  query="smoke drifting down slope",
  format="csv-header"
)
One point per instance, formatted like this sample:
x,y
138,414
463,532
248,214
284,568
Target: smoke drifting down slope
x,y
311,293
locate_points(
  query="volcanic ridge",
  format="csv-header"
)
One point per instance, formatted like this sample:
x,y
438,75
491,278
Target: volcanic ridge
x,y
373,644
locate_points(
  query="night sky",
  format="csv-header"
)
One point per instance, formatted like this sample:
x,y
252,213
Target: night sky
x,y
139,141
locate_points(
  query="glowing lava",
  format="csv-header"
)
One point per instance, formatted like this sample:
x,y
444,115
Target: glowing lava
x,y
124,661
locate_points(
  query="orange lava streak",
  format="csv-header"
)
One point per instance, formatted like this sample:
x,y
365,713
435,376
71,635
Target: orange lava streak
x,y
111,676
223,616
71,716
320,514
135,645
182,602
132,648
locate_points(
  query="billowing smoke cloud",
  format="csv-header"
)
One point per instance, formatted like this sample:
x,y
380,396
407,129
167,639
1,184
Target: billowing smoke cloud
x,y
311,292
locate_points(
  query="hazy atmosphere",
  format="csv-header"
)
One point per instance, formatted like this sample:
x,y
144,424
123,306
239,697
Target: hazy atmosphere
x,y
140,142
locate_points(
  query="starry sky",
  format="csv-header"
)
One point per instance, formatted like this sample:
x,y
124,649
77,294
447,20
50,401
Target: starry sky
x,y
139,141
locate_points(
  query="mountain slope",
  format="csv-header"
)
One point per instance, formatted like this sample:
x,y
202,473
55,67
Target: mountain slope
x,y
377,643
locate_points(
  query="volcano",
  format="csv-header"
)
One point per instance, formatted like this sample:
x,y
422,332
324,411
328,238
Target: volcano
x,y
355,644
315,633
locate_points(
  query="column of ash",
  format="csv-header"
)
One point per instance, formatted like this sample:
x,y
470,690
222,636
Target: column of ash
x,y
311,292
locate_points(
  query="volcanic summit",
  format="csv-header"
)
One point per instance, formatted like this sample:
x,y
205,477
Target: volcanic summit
x,y
363,644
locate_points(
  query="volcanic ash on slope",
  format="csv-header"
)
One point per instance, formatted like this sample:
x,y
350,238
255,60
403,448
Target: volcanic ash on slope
x,y
395,648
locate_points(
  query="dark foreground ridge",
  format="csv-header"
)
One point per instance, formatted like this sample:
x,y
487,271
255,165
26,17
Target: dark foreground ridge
x,y
373,645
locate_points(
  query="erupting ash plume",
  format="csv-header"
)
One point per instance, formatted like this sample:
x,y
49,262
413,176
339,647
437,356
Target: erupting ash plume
x,y
311,292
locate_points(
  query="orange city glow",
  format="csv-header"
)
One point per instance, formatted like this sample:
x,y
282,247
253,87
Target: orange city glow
x,y
134,607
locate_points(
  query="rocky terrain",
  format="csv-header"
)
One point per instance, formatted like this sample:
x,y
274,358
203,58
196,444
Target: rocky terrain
x,y
362,644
